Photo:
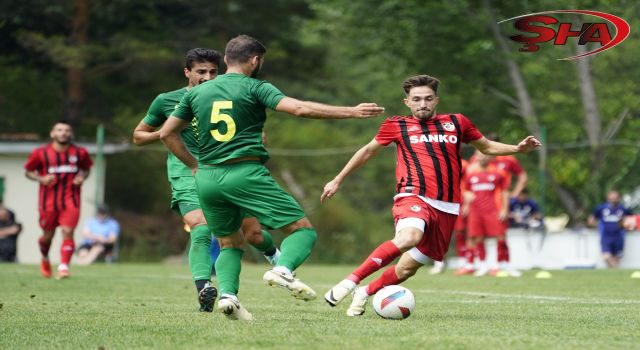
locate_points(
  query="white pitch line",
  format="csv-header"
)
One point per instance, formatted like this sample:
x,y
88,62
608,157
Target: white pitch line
x,y
531,297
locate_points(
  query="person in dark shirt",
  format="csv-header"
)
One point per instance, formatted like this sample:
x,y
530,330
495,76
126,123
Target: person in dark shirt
x,y
9,231
524,212
609,217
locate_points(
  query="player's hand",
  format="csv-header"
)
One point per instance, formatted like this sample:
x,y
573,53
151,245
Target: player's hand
x,y
329,190
528,144
368,110
465,211
502,215
47,180
194,171
78,180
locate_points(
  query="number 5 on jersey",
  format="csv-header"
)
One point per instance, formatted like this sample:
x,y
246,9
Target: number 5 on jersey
x,y
217,117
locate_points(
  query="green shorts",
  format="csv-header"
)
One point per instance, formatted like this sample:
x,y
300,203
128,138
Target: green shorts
x,y
228,193
184,197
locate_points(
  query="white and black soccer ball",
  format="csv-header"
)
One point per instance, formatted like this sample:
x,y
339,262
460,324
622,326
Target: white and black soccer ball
x,y
394,302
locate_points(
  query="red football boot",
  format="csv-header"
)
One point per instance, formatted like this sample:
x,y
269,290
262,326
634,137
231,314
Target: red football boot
x,y
45,268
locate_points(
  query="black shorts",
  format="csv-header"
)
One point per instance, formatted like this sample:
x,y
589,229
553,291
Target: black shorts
x,y
108,248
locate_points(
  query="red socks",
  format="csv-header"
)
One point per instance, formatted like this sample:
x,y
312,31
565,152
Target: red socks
x,y
66,251
503,251
379,258
387,278
44,246
482,253
461,244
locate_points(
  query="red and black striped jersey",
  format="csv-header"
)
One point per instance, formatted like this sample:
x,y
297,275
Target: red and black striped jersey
x,y
64,165
429,163
488,186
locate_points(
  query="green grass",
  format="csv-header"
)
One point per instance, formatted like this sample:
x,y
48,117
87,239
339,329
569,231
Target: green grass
x,y
153,306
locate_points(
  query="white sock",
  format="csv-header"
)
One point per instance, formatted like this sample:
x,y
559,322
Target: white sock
x,y
231,296
282,269
348,284
362,292
438,264
63,267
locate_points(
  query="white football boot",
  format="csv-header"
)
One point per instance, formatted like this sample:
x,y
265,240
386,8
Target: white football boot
x,y
298,289
358,303
230,306
340,291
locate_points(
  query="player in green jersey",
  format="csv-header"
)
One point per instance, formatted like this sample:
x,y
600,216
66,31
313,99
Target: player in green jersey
x,y
231,178
201,65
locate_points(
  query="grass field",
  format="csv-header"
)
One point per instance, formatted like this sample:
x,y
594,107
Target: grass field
x,y
153,306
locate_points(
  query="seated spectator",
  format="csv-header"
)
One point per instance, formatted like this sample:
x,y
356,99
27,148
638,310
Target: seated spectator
x,y
9,231
524,212
100,236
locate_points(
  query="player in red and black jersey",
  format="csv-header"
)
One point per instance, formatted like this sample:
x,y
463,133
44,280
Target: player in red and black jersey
x,y
427,197
60,167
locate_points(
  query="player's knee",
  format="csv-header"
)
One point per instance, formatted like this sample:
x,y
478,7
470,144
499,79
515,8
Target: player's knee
x,y
254,237
404,272
295,226
407,239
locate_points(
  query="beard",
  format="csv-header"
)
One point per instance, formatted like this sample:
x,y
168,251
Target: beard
x,y
62,140
424,114
254,73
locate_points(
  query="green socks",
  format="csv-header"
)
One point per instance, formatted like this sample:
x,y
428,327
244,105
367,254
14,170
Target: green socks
x,y
266,247
228,270
296,248
199,257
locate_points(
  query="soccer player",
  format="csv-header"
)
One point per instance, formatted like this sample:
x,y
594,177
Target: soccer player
x,y
60,167
428,187
486,203
201,65
231,178
510,165
609,217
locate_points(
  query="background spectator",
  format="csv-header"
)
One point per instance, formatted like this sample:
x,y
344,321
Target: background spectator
x,y
609,216
524,212
100,236
9,231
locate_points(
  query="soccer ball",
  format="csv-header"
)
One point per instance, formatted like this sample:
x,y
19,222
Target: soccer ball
x,y
394,302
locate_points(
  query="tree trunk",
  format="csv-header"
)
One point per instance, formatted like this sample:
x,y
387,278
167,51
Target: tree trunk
x,y
527,112
75,71
525,105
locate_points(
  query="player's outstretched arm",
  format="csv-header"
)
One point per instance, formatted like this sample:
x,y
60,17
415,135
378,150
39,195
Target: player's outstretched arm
x,y
359,159
170,136
494,148
315,110
145,134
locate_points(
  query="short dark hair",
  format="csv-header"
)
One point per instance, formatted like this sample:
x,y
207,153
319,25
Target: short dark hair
x,y
62,121
421,80
201,55
241,48
103,209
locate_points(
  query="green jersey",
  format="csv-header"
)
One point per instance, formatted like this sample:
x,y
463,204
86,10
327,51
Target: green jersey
x,y
230,114
161,108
